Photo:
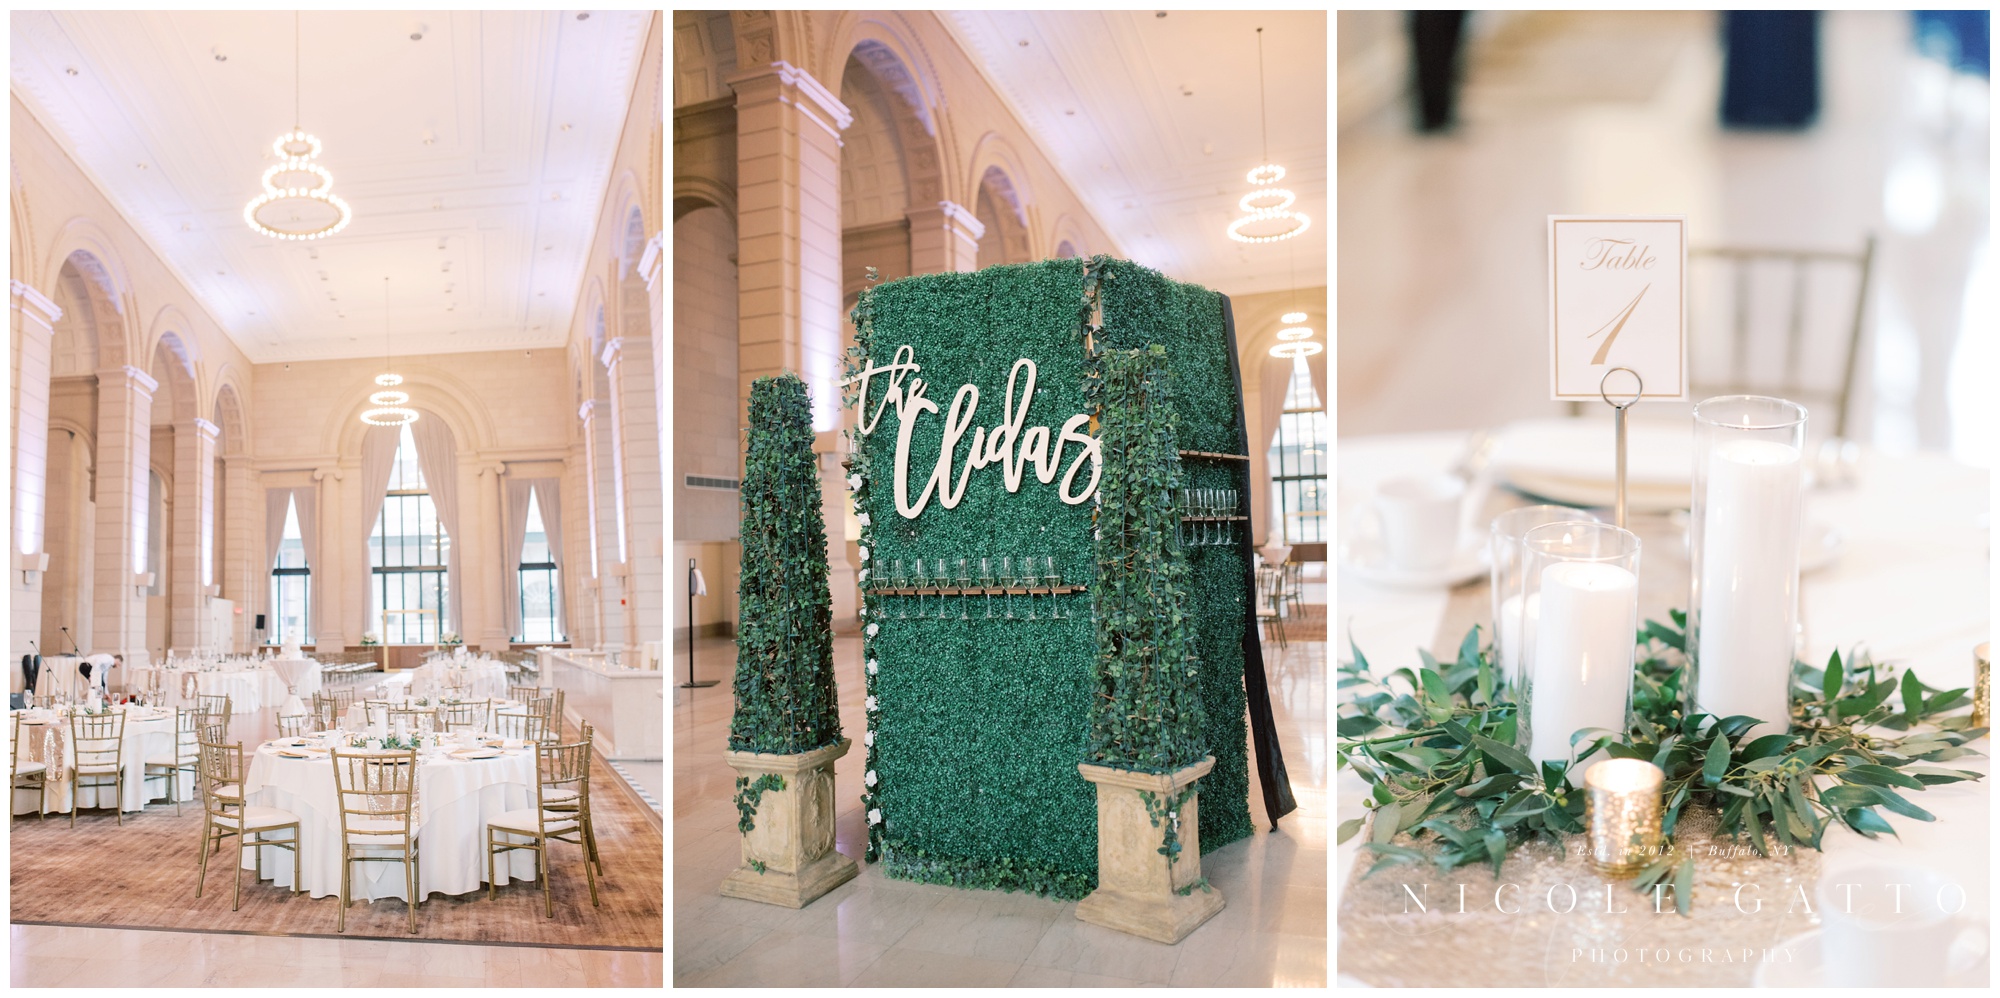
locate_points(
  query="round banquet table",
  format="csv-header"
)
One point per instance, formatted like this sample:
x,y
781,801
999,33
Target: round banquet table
x,y
486,678
1910,582
455,799
45,734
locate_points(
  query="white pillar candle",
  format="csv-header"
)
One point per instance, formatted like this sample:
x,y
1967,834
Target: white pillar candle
x,y
1515,632
1749,582
1583,649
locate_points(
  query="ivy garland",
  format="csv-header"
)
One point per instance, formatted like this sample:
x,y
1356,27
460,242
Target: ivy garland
x,y
749,794
855,360
785,697
1438,749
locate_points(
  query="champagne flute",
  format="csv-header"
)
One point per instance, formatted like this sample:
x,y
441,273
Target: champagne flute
x,y
986,583
964,583
920,578
942,577
896,578
1028,582
1007,584
1054,580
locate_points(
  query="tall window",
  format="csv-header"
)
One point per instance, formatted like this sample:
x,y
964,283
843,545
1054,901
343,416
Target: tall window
x,y
1298,460
409,551
291,584
538,580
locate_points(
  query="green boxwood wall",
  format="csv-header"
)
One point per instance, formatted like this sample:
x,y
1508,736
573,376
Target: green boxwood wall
x,y
979,725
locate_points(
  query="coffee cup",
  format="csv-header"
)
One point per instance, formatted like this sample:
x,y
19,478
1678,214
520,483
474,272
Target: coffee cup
x,y
1420,519
1892,925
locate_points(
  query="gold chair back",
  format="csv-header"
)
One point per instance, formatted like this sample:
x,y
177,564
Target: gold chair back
x,y
295,725
377,795
467,715
527,727
416,722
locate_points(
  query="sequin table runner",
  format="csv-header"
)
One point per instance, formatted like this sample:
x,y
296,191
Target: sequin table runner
x,y
1550,920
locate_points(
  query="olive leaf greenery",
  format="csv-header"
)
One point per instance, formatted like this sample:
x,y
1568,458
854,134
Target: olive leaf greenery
x,y
785,699
1436,744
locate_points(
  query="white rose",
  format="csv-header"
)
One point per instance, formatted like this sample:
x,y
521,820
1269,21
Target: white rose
x,y
872,628
874,815
868,739
871,666
863,577
854,483
864,554
863,518
870,704
870,778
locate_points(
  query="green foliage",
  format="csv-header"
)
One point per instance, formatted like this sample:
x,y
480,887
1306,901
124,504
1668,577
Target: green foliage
x,y
749,794
1436,744
785,698
975,780
1147,707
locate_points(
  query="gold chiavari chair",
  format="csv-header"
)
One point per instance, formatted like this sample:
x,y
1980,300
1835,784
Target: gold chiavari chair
x,y
227,815
296,725
186,756
529,727
343,697
28,774
523,694
326,712
560,767
466,715
155,685
564,798
98,742
214,709
377,796
545,707
44,701
376,709
416,721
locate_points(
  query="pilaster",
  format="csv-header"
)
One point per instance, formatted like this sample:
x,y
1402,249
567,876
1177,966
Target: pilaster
x,y
124,451
33,324
944,238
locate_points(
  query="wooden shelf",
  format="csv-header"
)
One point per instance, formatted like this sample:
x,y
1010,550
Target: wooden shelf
x,y
1212,454
1212,519
976,591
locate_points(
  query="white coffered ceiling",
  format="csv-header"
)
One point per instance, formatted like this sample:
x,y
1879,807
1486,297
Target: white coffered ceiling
x,y
475,158
1154,122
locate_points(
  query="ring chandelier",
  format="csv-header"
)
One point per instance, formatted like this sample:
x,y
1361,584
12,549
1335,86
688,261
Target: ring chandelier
x,y
296,151
390,409
1272,204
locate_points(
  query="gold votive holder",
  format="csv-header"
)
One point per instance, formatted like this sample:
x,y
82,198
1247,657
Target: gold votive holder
x,y
1622,814
1982,672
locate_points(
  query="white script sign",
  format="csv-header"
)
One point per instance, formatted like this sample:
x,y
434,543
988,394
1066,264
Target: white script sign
x,y
1616,299
1011,444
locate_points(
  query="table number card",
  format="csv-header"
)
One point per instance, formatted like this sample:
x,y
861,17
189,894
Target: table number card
x,y
1616,299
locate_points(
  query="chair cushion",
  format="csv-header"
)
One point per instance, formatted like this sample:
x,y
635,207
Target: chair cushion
x,y
523,821
30,767
258,817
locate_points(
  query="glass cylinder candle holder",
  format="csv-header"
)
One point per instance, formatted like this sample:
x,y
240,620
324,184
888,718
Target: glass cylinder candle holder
x,y
1583,577
1743,550
1622,808
1513,616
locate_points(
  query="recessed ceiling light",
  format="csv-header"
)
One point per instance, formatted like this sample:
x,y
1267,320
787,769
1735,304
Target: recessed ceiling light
x,y
141,166
583,15
565,126
71,70
1159,13
416,36
1070,111
219,57
1024,43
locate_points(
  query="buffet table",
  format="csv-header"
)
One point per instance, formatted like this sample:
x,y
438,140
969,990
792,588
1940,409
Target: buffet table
x,y
455,799
623,704
1909,580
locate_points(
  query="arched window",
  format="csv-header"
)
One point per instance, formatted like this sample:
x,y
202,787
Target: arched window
x,y
1298,460
291,584
409,551
539,584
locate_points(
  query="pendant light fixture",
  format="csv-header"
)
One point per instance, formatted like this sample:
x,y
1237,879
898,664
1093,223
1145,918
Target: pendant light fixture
x,y
1295,337
389,402
296,151
1270,204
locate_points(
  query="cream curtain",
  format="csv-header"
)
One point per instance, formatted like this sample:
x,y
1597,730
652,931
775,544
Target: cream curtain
x,y
437,454
378,461
548,495
1316,364
516,533
306,501
1275,377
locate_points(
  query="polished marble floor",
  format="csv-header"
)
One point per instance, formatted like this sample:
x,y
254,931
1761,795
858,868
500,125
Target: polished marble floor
x,y
63,956
874,931
1443,298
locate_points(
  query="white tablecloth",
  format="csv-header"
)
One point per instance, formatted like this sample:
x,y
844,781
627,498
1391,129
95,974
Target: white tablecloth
x,y
153,736
301,676
1912,582
486,678
455,800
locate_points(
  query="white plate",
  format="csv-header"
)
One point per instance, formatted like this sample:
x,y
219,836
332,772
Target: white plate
x,y
484,753
1364,555
1806,969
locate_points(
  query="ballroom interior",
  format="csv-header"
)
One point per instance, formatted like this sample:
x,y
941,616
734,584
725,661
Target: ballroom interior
x,y
813,148
400,415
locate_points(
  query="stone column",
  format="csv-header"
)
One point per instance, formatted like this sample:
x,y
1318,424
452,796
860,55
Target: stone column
x,y
124,453
493,622
944,238
243,580
605,560
652,267
34,318
631,374
330,621
193,550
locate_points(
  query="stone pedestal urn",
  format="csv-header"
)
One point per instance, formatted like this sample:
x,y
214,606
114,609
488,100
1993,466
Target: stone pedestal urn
x,y
788,855
1138,888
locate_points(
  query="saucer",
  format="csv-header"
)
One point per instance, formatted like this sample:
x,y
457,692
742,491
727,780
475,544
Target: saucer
x,y
1807,971
1365,556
